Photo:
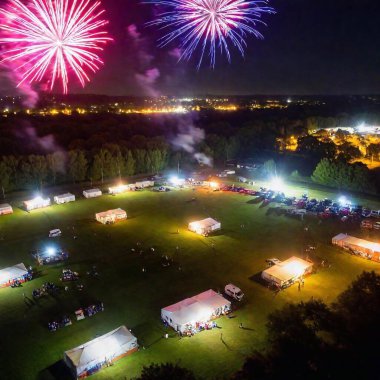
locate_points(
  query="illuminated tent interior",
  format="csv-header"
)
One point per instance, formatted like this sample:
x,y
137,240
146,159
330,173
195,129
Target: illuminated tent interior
x,y
91,356
200,308
205,226
287,271
17,272
362,246
111,216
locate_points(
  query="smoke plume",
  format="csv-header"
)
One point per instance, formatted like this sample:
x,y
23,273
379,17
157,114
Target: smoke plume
x,y
188,139
146,74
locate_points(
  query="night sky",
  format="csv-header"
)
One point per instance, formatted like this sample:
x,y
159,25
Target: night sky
x,y
310,47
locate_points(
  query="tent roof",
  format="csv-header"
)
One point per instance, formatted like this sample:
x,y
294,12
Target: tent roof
x,y
208,222
64,195
8,274
362,243
92,191
99,348
111,212
196,308
339,237
5,205
288,269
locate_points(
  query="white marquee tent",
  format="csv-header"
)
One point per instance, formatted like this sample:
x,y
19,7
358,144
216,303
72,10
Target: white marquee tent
x,y
17,272
362,246
36,203
64,198
144,184
205,226
119,189
200,308
287,271
91,356
92,193
6,209
111,216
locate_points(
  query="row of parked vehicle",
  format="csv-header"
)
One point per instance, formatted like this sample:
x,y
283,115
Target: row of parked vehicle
x,y
325,208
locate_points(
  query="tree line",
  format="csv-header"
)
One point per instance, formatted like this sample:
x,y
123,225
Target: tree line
x,y
342,175
36,171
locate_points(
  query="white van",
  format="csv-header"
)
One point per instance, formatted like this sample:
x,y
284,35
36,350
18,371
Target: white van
x,y
234,292
55,233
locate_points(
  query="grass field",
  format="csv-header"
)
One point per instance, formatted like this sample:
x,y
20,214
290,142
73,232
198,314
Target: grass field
x,y
134,298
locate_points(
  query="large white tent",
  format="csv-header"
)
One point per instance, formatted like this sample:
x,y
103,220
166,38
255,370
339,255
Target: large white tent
x,y
10,274
111,216
364,247
64,198
288,271
205,226
200,308
6,209
93,355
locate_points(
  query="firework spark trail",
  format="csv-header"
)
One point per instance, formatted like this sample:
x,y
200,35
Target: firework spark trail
x,y
210,24
49,39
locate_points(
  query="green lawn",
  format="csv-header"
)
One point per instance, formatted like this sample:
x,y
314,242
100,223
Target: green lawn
x,y
134,298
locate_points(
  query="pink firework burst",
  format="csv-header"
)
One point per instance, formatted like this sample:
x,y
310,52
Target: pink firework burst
x,y
49,39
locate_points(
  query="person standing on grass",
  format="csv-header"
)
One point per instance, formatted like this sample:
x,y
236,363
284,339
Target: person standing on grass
x,y
241,325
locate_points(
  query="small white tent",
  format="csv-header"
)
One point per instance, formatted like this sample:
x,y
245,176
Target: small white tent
x,y
90,357
8,275
111,216
145,184
6,209
288,271
205,226
36,203
92,193
119,189
198,309
64,198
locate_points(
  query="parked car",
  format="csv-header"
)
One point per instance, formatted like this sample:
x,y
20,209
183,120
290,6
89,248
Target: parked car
x,y
273,261
55,233
234,292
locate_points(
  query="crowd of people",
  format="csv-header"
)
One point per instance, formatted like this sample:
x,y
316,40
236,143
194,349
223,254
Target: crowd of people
x,y
46,288
69,275
59,323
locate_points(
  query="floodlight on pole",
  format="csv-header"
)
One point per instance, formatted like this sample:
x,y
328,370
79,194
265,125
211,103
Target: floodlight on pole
x,y
277,184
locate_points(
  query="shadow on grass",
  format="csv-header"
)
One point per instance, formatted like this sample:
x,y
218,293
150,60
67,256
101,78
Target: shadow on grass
x,y
57,371
278,211
255,201
257,278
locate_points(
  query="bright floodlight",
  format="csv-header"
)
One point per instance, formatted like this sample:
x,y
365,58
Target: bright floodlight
x,y
51,251
343,200
174,180
214,185
277,184
295,268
